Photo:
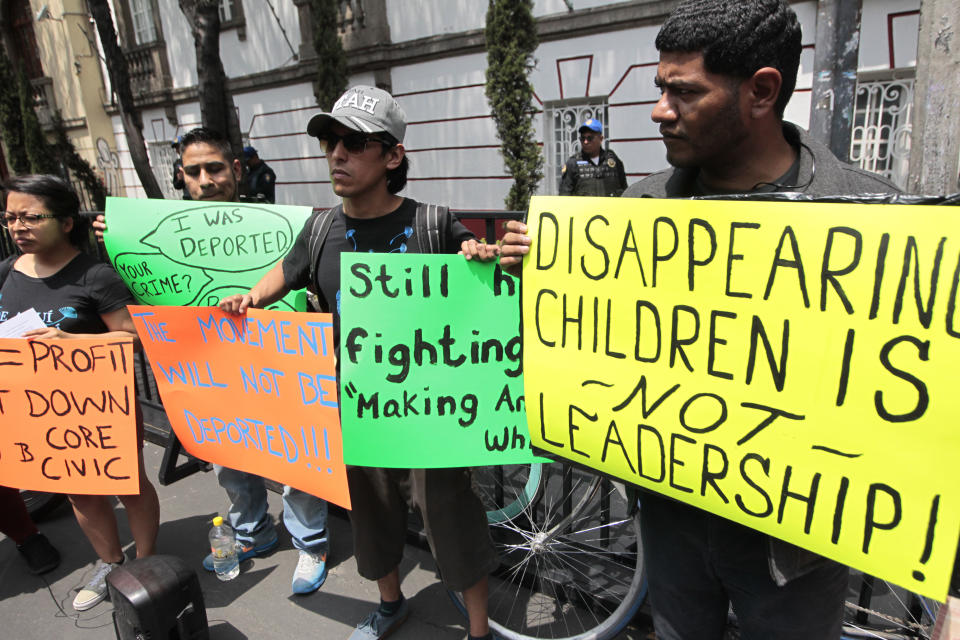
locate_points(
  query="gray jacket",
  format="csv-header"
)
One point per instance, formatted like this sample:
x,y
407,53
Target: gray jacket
x,y
821,174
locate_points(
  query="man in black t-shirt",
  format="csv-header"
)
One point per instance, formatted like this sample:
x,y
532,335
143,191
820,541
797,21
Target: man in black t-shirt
x,y
212,173
362,138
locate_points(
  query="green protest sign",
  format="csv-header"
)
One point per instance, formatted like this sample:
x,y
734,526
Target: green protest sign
x,y
430,358
186,253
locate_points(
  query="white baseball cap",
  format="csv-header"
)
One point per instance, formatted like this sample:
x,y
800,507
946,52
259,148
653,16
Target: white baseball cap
x,y
365,109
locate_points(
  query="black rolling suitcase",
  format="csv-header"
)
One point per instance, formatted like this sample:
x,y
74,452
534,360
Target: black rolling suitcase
x,y
157,598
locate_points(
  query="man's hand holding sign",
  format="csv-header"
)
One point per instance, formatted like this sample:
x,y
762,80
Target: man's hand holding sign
x,y
784,371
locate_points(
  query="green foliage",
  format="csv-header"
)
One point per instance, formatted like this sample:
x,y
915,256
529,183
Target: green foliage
x,y
81,169
511,36
10,121
331,59
34,142
28,150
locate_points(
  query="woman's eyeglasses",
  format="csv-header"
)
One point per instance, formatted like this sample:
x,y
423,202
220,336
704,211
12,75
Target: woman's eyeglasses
x,y
353,142
27,220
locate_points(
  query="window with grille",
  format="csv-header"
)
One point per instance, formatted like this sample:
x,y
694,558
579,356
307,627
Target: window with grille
x,y
231,17
561,121
228,10
144,27
162,157
882,126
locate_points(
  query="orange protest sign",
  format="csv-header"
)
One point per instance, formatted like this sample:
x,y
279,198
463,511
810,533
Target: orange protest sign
x,y
256,392
67,416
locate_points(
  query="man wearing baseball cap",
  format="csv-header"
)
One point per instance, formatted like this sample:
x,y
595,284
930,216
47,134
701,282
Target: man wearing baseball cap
x,y
594,171
362,137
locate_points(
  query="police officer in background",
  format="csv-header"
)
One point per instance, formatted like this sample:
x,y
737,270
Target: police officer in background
x,y
260,177
594,171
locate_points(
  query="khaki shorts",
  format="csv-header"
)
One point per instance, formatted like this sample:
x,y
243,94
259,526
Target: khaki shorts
x,y
454,519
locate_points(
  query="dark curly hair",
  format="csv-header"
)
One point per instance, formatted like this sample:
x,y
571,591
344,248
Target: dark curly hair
x,y
58,197
738,37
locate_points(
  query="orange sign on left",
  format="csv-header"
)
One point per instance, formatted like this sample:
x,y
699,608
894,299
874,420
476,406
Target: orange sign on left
x,y
67,416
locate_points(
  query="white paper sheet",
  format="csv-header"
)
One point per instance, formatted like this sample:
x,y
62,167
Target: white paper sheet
x,y
19,324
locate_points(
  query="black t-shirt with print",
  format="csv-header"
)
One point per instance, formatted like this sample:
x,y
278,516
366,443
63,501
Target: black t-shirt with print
x,y
72,299
392,233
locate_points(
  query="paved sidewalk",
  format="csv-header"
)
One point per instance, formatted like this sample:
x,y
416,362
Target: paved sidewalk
x,y
256,605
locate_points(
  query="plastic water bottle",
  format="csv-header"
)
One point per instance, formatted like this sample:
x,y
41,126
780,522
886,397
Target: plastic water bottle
x,y
223,545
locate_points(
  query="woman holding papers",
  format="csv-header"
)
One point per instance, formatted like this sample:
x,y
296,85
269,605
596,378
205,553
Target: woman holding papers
x,y
76,297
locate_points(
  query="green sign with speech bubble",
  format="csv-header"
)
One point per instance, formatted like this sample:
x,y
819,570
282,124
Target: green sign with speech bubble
x,y
187,253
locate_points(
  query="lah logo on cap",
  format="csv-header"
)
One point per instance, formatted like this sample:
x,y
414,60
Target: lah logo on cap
x,y
357,100
363,108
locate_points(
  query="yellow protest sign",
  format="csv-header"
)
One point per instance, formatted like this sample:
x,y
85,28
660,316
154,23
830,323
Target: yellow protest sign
x,y
784,365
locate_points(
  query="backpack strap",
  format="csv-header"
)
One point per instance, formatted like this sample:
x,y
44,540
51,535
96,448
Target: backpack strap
x,y
319,228
427,223
431,224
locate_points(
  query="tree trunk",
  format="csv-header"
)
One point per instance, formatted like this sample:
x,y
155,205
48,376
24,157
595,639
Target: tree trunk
x,y
216,102
120,82
332,74
11,122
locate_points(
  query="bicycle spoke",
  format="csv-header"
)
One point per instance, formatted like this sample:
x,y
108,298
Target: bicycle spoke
x,y
570,553
897,628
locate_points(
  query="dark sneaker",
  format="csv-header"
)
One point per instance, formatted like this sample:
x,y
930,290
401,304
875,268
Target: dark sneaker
x,y
95,590
377,625
311,572
245,552
39,554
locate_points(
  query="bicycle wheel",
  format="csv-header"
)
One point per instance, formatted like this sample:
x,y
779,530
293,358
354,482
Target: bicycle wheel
x,y
506,490
878,609
571,566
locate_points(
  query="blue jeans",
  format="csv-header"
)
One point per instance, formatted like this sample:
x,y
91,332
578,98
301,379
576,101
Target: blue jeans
x,y
304,515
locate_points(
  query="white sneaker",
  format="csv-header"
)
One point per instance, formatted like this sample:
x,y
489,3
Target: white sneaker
x,y
95,591
311,572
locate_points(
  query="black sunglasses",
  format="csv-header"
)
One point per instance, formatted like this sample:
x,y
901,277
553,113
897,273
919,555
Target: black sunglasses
x,y
353,142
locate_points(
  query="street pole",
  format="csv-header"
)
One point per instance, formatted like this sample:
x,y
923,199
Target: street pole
x,y
835,74
935,141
